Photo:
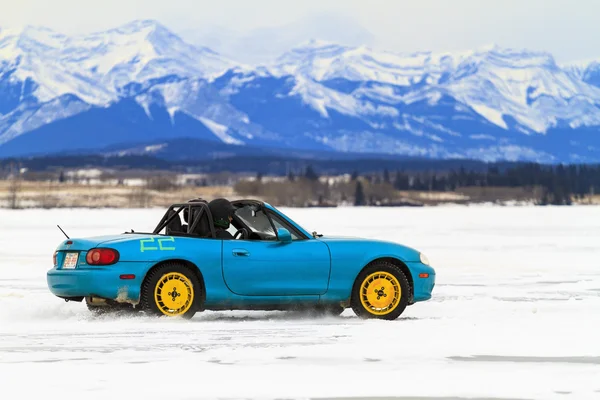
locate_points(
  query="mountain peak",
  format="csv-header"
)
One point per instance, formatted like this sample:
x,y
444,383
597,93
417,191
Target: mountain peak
x,y
42,36
490,47
517,57
317,47
139,25
95,67
315,43
324,60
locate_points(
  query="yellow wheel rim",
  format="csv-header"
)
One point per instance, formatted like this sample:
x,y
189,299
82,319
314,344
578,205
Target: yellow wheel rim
x,y
174,294
380,293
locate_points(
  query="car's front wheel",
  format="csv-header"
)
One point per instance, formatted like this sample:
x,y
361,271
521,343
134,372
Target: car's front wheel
x,y
380,291
172,290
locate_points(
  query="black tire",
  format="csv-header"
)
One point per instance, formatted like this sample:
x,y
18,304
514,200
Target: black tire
x,y
148,303
386,267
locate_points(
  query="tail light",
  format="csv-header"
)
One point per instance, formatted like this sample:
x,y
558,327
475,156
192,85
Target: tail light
x,y
102,257
54,258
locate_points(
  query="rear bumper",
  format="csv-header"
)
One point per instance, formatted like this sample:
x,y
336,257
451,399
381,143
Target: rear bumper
x,y
102,282
423,287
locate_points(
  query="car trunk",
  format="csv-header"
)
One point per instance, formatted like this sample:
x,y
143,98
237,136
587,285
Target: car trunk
x,y
76,244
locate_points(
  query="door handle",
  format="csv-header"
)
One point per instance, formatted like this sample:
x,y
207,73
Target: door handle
x,y
240,253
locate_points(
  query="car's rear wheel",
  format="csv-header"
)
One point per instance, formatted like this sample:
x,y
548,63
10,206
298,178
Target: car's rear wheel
x,y
380,291
172,290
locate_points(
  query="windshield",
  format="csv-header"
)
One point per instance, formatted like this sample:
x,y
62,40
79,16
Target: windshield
x,y
264,223
257,221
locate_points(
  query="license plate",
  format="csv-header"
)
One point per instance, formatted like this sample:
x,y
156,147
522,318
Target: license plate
x,y
70,260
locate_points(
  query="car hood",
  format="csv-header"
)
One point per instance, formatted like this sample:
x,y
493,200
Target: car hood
x,y
336,238
371,246
328,238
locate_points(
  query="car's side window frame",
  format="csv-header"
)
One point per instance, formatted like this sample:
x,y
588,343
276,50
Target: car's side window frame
x,y
282,221
272,223
271,216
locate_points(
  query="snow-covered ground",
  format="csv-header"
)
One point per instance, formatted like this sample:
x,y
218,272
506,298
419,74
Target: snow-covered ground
x,y
515,314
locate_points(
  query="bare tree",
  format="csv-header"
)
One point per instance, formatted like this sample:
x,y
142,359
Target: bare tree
x,y
140,196
14,188
49,200
161,183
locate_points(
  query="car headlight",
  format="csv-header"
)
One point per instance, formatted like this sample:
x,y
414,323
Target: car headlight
x,y
424,259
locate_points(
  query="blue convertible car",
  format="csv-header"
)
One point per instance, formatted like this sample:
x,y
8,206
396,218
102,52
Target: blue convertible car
x,y
271,263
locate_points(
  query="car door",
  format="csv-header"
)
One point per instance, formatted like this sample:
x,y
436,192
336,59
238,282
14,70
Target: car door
x,y
268,267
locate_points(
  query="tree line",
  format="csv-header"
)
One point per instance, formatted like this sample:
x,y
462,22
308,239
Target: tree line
x,y
558,184
309,185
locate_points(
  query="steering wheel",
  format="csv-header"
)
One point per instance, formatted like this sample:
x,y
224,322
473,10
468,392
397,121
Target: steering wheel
x,y
244,233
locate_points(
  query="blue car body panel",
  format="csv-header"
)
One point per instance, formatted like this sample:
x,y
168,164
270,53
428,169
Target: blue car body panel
x,y
236,273
350,255
98,281
255,268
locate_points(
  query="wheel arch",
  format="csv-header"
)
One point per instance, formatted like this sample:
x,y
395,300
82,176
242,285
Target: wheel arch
x,y
188,264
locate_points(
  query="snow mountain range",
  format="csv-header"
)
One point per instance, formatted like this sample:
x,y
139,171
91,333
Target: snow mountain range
x,y
141,85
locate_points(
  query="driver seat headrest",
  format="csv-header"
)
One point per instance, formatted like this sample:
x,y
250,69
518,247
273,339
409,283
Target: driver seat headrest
x,y
174,225
202,229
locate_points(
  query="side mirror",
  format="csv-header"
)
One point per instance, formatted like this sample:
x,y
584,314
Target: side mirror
x,y
284,235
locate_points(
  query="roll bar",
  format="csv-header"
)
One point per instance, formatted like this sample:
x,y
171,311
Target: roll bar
x,y
196,204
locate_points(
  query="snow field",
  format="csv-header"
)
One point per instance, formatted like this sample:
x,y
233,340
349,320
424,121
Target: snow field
x,y
515,314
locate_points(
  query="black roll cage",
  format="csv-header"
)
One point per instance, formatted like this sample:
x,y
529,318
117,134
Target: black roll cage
x,y
171,214
175,209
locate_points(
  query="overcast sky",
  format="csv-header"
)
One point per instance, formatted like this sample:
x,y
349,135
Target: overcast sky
x,y
567,28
